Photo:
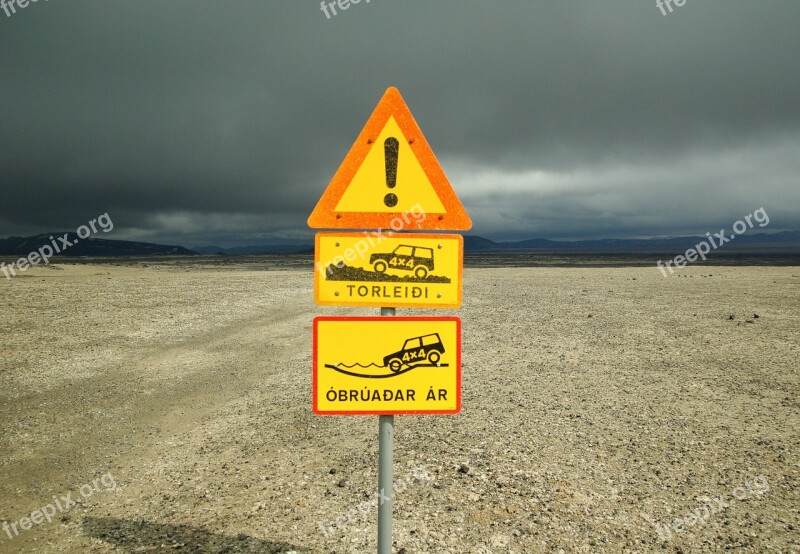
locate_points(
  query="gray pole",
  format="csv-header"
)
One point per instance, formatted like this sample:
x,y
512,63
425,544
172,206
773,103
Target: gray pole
x,y
385,474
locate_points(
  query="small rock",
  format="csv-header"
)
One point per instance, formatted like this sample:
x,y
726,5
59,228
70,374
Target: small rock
x,y
332,471
731,317
463,468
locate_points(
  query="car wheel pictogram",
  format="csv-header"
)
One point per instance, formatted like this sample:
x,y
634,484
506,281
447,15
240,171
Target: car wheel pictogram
x,y
420,272
380,266
434,357
395,365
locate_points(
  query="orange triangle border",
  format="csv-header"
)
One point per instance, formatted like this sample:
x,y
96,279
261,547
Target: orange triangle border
x,y
324,215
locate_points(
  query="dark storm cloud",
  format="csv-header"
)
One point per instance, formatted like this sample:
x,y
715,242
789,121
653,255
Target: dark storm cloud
x,y
219,121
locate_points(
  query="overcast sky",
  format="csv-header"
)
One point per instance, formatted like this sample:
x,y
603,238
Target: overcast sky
x,y
202,122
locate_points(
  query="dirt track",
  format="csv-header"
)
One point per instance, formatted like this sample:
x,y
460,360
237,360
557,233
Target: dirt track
x,y
598,403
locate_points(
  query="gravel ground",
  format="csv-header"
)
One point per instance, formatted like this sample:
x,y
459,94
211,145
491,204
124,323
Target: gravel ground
x,y
601,406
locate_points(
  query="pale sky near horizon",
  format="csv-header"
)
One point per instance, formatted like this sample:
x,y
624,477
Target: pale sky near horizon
x,y
201,122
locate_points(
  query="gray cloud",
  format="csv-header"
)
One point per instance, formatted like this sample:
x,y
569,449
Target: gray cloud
x,y
207,121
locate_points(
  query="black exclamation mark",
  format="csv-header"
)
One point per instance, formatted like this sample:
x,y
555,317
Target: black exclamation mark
x,y
391,148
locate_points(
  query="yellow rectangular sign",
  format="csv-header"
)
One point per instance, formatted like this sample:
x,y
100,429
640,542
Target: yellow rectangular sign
x,y
387,269
387,365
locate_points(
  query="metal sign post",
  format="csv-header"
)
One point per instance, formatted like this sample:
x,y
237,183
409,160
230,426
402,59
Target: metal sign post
x,y
385,482
385,473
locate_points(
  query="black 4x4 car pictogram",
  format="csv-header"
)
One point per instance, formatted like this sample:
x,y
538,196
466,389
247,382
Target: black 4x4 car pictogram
x,y
405,257
427,349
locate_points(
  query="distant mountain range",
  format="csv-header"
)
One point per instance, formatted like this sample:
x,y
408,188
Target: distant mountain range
x,y
782,242
774,243
288,247
22,246
786,242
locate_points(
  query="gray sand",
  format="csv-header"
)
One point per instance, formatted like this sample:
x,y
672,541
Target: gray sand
x,y
597,404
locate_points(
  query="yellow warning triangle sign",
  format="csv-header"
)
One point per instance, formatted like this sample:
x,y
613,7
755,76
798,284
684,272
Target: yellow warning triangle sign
x,y
390,179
